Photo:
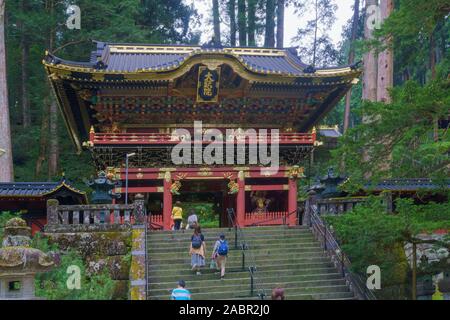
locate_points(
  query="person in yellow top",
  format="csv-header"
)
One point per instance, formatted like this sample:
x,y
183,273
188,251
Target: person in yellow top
x,y
177,215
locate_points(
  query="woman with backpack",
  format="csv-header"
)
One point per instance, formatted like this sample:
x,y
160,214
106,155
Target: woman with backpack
x,y
220,253
197,250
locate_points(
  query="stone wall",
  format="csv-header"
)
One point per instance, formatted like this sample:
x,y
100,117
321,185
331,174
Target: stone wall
x,y
137,273
109,248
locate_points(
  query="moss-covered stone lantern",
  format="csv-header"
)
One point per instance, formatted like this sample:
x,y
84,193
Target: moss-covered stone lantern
x,y
19,263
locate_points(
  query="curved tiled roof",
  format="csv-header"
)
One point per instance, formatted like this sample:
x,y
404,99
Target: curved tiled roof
x,y
34,189
407,185
130,58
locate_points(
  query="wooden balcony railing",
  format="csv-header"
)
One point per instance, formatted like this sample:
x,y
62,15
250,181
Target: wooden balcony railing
x,y
168,139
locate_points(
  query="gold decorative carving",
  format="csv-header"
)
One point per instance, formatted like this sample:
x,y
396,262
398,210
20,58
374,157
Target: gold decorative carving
x,y
296,172
175,187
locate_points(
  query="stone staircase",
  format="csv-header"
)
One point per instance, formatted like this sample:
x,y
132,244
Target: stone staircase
x,y
290,257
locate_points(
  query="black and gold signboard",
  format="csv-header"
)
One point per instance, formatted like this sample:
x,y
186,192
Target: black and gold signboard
x,y
208,84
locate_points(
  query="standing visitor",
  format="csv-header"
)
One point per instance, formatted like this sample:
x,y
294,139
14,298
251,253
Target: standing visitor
x,y
220,254
197,250
192,220
177,215
181,293
278,293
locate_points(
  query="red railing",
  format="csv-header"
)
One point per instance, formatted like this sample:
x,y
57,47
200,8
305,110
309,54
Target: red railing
x,y
166,138
268,218
156,219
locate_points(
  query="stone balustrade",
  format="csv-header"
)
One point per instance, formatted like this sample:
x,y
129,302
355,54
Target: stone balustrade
x,y
94,217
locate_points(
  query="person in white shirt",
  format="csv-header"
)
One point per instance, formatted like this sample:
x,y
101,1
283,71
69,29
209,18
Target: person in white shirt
x,y
192,220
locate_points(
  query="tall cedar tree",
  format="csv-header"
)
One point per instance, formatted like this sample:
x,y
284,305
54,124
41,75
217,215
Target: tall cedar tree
x,y
269,39
216,21
242,23
6,167
232,16
280,23
252,22
351,60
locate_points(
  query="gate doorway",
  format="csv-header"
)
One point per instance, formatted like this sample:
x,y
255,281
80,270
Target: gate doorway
x,y
209,199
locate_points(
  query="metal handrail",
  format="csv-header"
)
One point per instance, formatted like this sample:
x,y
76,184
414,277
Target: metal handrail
x,y
147,216
245,248
323,233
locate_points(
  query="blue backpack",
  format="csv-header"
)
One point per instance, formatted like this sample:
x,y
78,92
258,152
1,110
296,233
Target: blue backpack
x,y
197,241
223,248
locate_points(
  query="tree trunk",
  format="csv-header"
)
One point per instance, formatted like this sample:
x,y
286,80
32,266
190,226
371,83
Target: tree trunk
x,y
43,144
232,14
53,150
280,23
385,59
53,157
251,19
24,49
351,60
26,116
433,76
216,19
269,40
316,27
370,59
242,23
6,165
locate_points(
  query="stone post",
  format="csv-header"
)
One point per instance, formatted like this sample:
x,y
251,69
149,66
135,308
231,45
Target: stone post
x,y
139,211
52,211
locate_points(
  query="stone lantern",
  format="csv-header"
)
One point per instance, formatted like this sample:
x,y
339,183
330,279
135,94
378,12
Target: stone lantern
x,y
19,263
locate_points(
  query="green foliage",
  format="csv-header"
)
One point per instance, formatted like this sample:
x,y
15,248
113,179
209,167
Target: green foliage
x,y
400,140
53,285
318,51
39,25
207,216
370,236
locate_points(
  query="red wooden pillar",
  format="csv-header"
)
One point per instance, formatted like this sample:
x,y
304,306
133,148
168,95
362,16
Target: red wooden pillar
x,y
240,200
167,202
292,201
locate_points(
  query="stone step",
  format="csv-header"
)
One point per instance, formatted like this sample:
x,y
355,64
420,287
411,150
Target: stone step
x,y
291,257
229,235
270,239
275,253
188,275
306,291
267,252
245,285
319,296
253,247
200,282
230,232
245,229
306,265
237,263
